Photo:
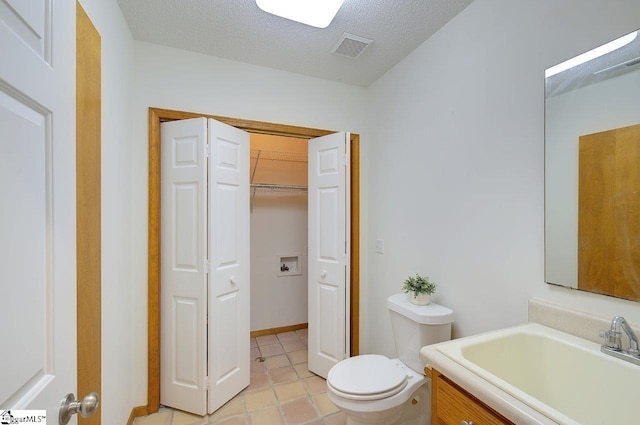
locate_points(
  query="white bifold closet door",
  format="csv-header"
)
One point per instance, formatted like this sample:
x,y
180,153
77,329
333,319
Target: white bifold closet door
x,y
204,268
329,248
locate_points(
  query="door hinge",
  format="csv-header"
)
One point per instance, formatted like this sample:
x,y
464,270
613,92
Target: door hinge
x,y
207,266
207,151
206,383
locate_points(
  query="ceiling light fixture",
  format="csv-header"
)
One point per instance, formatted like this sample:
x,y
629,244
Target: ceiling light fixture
x,y
316,13
591,54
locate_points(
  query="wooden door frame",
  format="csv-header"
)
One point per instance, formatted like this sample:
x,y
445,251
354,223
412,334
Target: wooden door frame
x,y
88,211
158,115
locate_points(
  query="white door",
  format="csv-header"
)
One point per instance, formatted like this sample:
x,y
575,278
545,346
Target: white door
x,y
329,247
37,216
229,304
204,264
183,268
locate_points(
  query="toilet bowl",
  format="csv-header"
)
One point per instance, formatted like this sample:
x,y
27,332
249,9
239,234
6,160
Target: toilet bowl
x,y
373,389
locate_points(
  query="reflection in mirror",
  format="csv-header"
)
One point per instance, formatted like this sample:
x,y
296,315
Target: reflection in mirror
x,y
592,170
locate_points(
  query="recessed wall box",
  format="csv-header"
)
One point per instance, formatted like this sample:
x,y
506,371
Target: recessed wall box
x,y
289,265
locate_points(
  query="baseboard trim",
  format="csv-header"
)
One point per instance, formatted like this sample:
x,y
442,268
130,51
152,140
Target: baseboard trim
x,y
136,412
281,329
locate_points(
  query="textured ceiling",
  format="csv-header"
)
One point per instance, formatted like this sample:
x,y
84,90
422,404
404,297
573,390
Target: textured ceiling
x,y
240,31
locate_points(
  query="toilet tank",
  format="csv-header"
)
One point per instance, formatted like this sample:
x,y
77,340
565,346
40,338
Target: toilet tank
x,y
415,326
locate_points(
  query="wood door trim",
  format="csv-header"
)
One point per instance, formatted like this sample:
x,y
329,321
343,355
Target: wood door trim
x,y
88,209
158,115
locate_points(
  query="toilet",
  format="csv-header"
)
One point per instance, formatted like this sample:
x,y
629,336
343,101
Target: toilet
x,y
373,389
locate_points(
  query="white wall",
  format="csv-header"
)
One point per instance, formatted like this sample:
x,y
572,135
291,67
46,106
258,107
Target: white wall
x,y
278,228
177,79
117,284
455,160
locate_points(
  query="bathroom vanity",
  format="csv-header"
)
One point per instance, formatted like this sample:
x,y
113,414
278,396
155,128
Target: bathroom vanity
x,y
551,370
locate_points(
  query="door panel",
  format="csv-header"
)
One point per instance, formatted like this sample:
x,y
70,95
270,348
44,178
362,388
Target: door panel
x,y
229,257
183,267
328,251
37,220
25,158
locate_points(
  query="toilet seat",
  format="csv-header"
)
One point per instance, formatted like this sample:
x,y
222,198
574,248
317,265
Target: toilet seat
x,y
366,377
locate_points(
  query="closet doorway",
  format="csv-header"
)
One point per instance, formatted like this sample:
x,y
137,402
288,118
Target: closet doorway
x,y
279,233
156,116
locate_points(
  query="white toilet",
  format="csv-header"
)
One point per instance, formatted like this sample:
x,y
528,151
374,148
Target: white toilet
x,y
373,389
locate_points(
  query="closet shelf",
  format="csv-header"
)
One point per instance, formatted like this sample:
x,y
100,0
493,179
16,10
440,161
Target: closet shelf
x,y
279,156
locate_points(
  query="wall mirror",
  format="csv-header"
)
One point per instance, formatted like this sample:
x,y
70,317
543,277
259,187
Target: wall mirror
x,y
592,170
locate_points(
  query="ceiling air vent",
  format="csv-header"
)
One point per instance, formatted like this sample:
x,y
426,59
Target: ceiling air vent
x,y
351,45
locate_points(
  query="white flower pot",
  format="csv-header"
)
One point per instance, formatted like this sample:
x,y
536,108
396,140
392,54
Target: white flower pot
x,y
419,299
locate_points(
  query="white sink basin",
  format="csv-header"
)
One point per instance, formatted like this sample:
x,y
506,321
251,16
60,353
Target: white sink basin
x,y
564,377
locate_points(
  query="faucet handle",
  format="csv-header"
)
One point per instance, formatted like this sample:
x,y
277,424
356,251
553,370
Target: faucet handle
x,y
612,339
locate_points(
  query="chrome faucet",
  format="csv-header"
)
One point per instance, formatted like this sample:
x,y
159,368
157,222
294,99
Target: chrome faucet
x,y
613,341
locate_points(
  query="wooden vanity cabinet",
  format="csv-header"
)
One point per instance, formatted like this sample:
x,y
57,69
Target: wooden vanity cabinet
x,y
451,405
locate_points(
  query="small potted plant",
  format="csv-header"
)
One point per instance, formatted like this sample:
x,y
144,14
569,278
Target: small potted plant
x,y
419,289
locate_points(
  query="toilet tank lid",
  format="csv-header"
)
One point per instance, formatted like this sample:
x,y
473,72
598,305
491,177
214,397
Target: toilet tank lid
x,y
430,314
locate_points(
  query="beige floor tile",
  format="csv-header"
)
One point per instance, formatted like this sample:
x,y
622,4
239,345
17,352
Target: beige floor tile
x,y
315,385
303,333
233,407
298,356
160,418
236,420
290,391
259,399
299,411
183,418
253,343
258,380
296,345
271,350
257,366
303,370
276,361
282,375
270,416
324,405
336,419
254,353
266,340
288,336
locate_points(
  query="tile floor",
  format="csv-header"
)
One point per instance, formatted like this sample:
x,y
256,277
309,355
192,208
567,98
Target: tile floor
x,y
282,391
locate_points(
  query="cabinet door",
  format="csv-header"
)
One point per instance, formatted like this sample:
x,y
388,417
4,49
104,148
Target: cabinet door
x,y
452,405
